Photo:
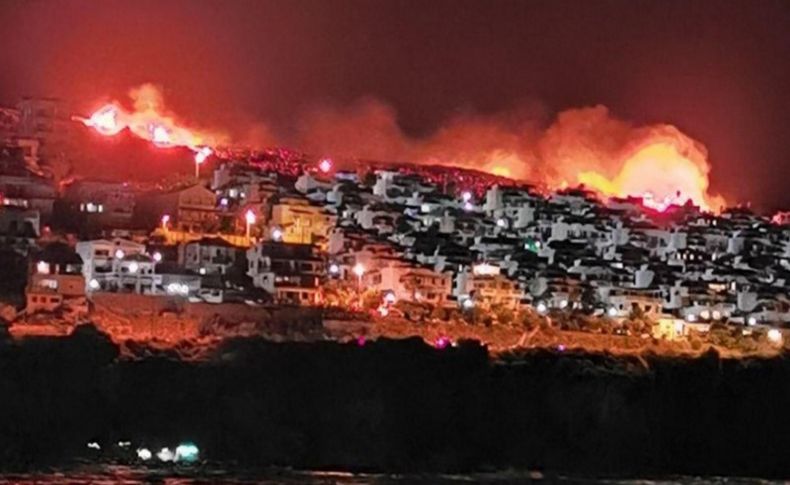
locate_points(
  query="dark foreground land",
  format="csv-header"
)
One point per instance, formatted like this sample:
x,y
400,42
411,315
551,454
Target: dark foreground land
x,y
398,406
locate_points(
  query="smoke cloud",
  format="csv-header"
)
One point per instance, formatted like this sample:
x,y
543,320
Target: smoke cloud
x,y
585,146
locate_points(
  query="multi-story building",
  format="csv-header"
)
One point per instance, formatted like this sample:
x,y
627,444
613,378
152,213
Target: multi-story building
x,y
409,283
209,255
300,222
101,203
191,209
19,228
29,191
118,265
291,273
56,280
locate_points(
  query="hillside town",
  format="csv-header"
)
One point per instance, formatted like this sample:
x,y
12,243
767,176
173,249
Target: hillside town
x,y
390,244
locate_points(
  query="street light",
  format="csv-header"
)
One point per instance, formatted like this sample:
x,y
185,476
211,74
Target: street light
x,y
359,270
249,218
775,336
325,165
200,156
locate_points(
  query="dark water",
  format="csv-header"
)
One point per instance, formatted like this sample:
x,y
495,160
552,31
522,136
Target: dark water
x,y
95,474
389,405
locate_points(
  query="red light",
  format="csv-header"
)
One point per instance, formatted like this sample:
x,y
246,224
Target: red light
x,y
325,165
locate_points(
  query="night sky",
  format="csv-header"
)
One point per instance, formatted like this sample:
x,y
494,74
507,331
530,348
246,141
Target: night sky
x,y
719,70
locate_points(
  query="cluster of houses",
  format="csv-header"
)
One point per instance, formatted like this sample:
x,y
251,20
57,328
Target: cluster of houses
x,y
255,233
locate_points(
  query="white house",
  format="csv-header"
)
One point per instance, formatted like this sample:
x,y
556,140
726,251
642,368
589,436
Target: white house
x,y
118,265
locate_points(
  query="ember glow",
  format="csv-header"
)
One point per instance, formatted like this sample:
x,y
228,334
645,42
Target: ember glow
x,y
500,171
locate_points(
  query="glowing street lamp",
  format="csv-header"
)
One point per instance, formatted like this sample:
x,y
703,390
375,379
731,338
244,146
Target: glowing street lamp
x,y
325,165
775,336
359,270
186,452
249,218
165,455
200,156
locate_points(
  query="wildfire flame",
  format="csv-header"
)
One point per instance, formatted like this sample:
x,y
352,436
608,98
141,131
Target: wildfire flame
x,y
584,146
149,120
664,169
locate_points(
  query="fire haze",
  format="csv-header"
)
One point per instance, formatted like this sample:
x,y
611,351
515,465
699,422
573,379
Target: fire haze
x,y
584,146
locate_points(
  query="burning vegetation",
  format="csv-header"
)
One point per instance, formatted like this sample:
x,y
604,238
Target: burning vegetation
x,y
148,119
586,146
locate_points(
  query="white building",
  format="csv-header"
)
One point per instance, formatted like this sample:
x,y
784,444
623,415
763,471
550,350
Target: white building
x,y
118,265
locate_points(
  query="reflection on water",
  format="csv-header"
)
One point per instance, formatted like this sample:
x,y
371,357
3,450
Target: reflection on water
x,y
134,475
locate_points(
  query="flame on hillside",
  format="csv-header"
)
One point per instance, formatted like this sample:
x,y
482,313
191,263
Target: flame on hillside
x,y
584,146
148,119
665,168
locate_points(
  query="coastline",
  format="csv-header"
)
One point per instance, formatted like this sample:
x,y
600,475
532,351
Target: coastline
x,y
400,406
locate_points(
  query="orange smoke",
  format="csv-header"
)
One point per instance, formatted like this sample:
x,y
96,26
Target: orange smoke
x,y
149,120
580,146
586,146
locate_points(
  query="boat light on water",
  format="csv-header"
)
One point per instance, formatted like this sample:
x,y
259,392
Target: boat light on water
x,y
187,452
165,454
